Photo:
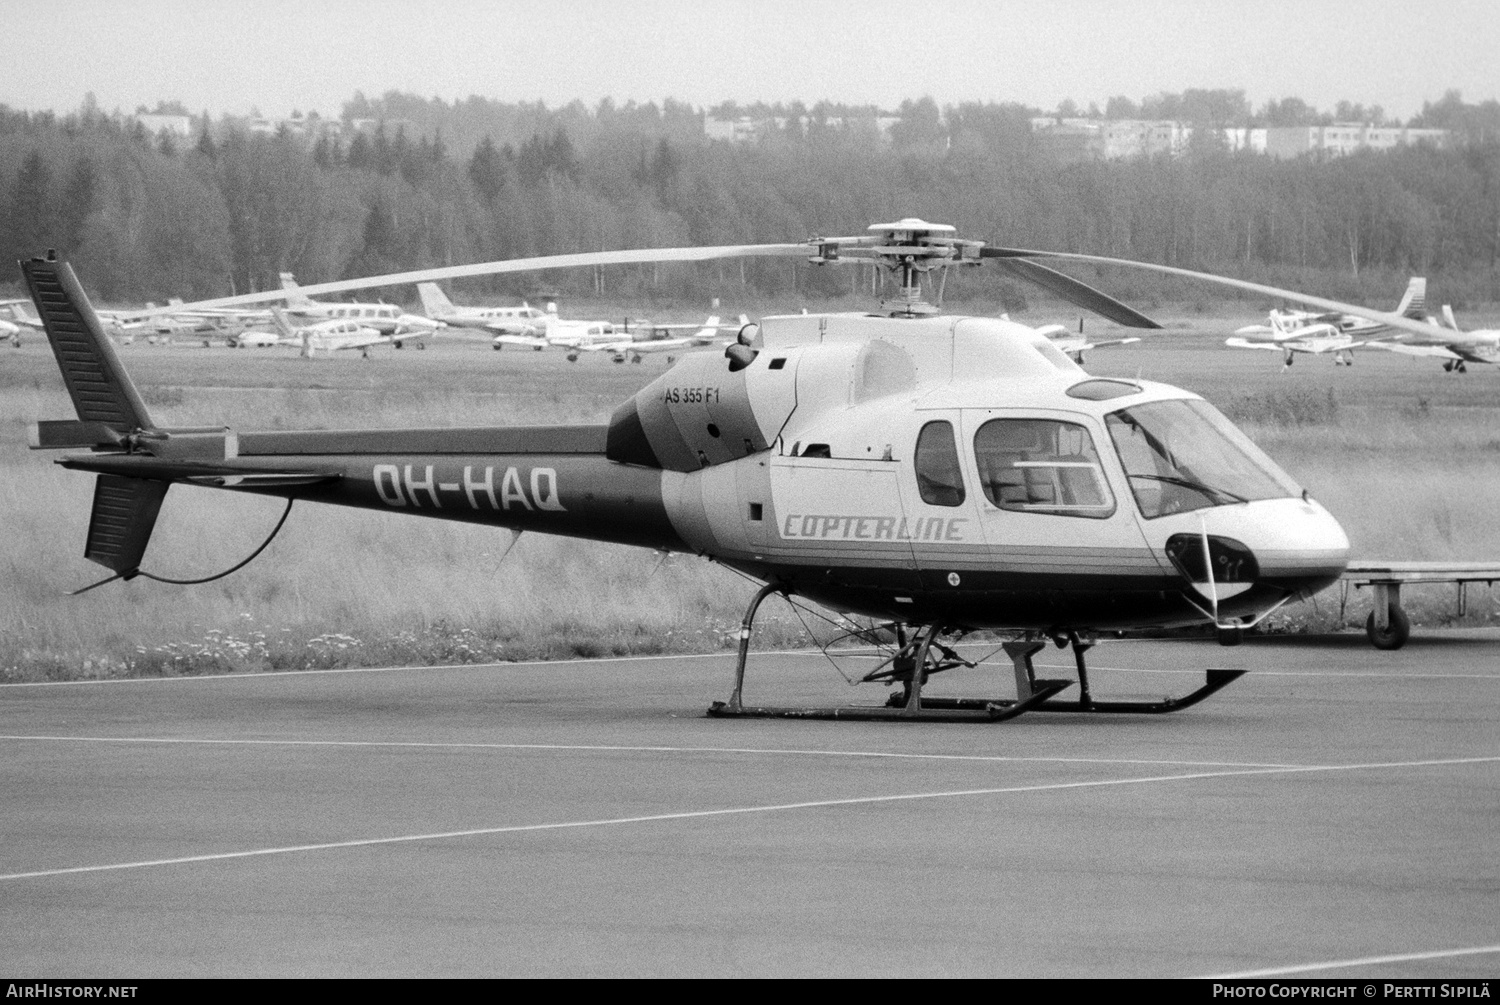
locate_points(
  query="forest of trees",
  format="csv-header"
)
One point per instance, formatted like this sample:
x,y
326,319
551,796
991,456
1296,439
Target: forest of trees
x,y
146,217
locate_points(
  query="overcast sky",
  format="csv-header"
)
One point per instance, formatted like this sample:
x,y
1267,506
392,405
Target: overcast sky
x,y
314,54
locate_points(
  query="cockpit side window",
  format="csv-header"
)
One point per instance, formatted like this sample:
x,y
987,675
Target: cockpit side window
x,y
939,479
1041,466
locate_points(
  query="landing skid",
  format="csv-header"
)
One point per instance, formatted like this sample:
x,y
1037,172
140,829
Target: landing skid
x,y
1020,654
922,655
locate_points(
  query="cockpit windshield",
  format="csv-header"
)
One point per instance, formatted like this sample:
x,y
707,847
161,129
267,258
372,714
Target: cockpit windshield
x,y
1183,455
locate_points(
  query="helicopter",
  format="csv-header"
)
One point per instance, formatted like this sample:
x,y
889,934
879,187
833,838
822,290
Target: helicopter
x,y
937,474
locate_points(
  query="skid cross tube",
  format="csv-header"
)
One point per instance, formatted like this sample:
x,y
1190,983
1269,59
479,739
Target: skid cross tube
x,y
912,665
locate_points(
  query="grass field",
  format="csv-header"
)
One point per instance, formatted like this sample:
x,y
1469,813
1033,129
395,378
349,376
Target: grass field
x,y
1405,455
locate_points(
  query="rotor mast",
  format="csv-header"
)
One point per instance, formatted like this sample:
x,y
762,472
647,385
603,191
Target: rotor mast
x,y
908,249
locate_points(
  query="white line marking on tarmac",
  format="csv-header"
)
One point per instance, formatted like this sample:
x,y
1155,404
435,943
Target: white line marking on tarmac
x,y
257,675
1394,675
728,811
622,748
1363,961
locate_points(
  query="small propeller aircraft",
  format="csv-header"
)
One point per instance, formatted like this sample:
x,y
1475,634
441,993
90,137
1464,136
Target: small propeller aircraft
x,y
1450,343
387,319
10,331
1339,333
642,338
1076,345
522,326
940,474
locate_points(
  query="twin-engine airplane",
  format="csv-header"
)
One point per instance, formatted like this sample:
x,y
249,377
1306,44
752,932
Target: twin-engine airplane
x,y
941,474
387,319
520,326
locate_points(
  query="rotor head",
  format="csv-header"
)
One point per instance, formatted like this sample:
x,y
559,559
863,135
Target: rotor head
x,y
908,249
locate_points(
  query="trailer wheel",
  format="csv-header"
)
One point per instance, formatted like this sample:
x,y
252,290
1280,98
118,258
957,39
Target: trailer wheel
x,y
1397,629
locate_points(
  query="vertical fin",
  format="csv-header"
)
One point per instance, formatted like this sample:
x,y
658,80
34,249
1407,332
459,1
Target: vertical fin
x,y
96,381
1414,302
435,302
283,324
125,511
294,294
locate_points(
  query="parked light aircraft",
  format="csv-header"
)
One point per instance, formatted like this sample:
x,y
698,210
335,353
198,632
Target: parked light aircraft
x,y
388,319
645,339
115,323
521,326
158,326
332,335
938,473
1337,332
224,321
1074,346
10,331
1449,343
577,336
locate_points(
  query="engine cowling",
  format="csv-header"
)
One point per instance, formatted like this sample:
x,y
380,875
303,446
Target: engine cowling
x,y
697,414
710,409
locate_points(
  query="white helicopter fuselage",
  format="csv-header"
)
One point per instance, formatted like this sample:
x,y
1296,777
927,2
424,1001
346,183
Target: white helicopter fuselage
x,y
964,468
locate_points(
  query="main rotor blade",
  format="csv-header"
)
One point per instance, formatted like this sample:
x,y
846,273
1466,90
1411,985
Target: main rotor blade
x,y
1068,288
1395,321
494,268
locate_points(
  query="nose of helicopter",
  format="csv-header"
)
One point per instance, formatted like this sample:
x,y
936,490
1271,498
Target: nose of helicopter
x,y
1261,553
1299,544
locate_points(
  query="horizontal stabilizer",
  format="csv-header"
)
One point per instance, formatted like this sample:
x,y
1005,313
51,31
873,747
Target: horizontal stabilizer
x,y
95,379
264,479
125,511
68,434
1240,343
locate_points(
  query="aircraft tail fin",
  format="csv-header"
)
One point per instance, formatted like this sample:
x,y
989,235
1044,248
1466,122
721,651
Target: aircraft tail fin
x,y
294,294
1449,319
101,391
111,416
120,526
435,303
1414,300
283,326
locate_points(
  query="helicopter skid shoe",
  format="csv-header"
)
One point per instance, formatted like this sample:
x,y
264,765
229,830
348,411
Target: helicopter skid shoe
x,y
1021,653
1216,679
